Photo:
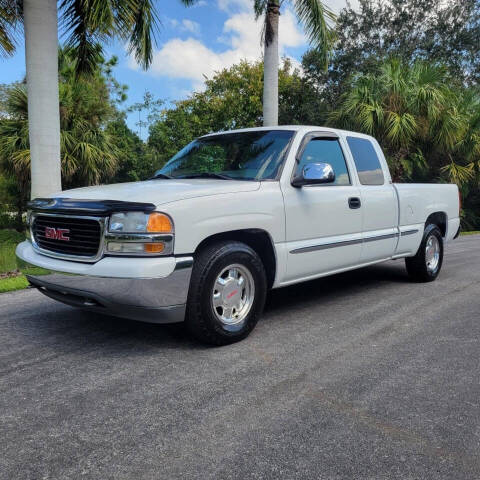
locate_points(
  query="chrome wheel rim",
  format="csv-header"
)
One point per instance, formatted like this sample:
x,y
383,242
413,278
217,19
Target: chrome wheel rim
x,y
432,253
233,294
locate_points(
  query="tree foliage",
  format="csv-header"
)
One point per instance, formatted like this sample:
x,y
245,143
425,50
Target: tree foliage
x,y
405,71
89,150
441,32
314,15
408,71
88,24
232,99
135,161
428,127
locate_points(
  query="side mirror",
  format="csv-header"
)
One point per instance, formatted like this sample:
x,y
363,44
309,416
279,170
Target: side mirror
x,y
314,174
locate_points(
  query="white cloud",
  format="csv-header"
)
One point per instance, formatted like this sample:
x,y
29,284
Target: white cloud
x,y
192,60
244,5
232,5
191,26
185,25
173,22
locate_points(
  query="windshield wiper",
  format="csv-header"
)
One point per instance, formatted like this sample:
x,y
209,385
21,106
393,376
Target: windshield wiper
x,y
161,175
208,175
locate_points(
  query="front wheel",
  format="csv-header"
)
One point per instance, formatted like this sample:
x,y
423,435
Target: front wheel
x,y
227,293
426,264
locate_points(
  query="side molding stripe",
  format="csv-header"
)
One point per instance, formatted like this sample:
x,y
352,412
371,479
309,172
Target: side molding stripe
x,y
408,232
325,246
313,248
380,237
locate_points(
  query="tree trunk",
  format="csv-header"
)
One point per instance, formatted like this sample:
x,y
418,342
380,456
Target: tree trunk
x,y
270,65
41,57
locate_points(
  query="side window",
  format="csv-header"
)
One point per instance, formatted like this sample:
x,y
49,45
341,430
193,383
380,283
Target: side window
x,y
326,150
366,160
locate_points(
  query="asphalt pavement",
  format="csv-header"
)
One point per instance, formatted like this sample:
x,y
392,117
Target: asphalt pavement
x,y
362,375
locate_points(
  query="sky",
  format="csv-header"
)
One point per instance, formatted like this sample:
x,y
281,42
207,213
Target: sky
x,y
193,43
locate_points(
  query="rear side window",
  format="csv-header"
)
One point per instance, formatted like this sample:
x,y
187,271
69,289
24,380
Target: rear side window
x,y
366,160
326,150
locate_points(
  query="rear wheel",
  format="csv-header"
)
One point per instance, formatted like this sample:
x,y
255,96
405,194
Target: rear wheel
x,y
227,293
427,263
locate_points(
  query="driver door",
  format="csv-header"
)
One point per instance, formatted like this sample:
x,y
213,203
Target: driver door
x,y
323,222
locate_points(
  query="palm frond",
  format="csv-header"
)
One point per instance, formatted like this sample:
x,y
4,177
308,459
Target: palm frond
x,y
138,21
81,22
392,77
10,27
400,127
87,24
414,163
459,174
450,128
88,153
17,102
315,16
259,8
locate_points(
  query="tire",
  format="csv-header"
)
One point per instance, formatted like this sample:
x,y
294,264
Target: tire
x,y
424,267
227,293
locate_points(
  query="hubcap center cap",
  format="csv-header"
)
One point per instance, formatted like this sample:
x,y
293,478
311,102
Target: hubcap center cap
x,y
232,293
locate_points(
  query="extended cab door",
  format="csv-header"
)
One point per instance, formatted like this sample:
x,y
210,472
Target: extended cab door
x,y
323,222
378,197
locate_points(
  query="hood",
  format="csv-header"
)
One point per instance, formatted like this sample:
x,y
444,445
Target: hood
x,y
160,191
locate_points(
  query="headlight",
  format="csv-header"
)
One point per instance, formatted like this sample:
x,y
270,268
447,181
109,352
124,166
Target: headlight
x,y
138,233
139,222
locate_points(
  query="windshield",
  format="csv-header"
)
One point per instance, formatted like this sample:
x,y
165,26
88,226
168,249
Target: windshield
x,y
255,155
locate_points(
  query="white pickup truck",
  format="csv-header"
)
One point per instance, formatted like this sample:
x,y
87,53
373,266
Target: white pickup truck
x,y
230,216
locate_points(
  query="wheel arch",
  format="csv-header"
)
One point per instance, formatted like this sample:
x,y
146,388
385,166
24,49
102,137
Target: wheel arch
x,y
440,219
257,239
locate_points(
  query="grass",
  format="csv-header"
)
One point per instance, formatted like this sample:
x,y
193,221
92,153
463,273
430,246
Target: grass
x,y
13,283
10,276
8,242
476,232
11,270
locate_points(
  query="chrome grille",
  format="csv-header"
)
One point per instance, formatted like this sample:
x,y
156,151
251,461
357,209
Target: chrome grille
x,y
79,236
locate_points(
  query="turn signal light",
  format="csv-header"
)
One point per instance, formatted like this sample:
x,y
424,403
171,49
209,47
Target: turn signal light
x,y
135,248
154,247
159,223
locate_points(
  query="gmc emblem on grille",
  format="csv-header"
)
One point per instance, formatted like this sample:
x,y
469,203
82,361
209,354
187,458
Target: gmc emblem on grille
x,y
57,233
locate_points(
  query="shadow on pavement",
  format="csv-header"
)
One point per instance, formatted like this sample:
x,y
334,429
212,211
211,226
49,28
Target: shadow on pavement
x,y
69,328
336,286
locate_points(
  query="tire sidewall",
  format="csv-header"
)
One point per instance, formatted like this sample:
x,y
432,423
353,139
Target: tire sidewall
x,y
242,255
429,231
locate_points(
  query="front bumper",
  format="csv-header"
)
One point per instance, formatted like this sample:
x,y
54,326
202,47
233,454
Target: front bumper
x,y
131,290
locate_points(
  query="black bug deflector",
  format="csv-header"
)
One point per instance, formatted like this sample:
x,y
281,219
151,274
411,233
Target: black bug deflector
x,y
87,207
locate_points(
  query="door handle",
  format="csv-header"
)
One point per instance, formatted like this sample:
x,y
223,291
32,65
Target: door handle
x,y
354,203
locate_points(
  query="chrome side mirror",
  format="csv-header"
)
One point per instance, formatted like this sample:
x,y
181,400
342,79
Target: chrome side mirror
x,y
314,174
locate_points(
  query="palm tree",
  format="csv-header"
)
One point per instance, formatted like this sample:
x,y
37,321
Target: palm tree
x,y
314,16
428,126
86,24
87,150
